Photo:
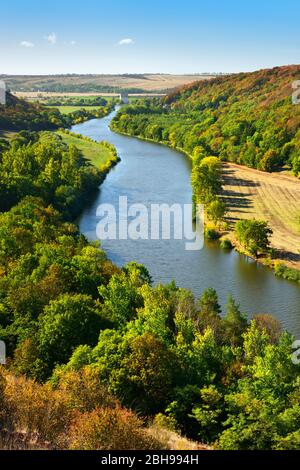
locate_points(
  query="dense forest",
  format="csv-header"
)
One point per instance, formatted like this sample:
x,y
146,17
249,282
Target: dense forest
x,y
41,164
67,310
97,354
247,118
73,321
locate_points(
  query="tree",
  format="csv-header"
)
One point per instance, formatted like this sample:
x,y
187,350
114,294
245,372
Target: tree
x,y
209,310
121,298
147,373
270,161
208,413
296,165
235,323
66,323
270,325
216,210
254,235
206,179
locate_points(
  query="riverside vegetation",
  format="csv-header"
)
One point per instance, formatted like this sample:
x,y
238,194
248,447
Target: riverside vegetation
x,y
98,358
248,119
19,114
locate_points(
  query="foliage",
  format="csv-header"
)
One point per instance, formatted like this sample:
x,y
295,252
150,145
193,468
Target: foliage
x,y
247,118
253,235
90,344
43,165
95,330
105,429
18,114
226,244
57,419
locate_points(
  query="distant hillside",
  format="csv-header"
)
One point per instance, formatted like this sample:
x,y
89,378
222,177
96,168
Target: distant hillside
x,y
247,118
18,114
131,83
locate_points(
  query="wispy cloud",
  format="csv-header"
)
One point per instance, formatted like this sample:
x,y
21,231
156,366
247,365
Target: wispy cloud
x,y
125,42
26,44
51,38
73,43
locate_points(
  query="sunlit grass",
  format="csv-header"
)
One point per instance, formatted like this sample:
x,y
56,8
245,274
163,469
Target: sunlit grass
x,y
71,109
97,153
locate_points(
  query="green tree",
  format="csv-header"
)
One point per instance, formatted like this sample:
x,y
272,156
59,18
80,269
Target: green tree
x,y
209,311
235,323
216,210
66,323
254,235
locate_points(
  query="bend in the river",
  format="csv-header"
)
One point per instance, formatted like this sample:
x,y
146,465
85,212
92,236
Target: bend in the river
x,y
151,173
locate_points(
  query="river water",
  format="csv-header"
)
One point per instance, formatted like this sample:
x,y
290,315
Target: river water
x,y
152,173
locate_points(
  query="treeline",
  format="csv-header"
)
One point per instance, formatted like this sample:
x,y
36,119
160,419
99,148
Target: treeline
x,y
83,114
247,118
81,88
67,311
75,101
87,341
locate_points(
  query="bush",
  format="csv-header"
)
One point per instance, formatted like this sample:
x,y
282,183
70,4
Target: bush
x,y
36,409
226,244
109,429
83,390
287,273
211,234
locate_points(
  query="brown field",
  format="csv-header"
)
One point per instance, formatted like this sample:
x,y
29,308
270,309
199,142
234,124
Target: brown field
x,y
273,197
89,83
34,95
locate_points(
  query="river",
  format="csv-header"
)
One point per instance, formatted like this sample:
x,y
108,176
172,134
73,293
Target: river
x,y
152,173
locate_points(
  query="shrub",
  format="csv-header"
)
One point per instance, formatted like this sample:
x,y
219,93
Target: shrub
x,y
83,390
226,244
36,409
211,234
109,429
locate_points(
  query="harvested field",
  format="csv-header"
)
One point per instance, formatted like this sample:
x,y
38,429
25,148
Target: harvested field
x,y
135,83
274,197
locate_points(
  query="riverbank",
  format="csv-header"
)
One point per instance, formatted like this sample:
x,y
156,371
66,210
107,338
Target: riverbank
x,y
250,193
151,173
102,155
249,200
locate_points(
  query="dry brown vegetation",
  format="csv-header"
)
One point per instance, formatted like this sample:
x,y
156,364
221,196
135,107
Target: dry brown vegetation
x,y
274,197
78,413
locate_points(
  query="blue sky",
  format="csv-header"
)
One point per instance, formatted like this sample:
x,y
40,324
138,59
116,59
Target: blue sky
x,y
130,36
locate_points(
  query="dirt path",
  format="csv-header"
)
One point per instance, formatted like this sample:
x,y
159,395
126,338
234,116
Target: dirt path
x,y
250,193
